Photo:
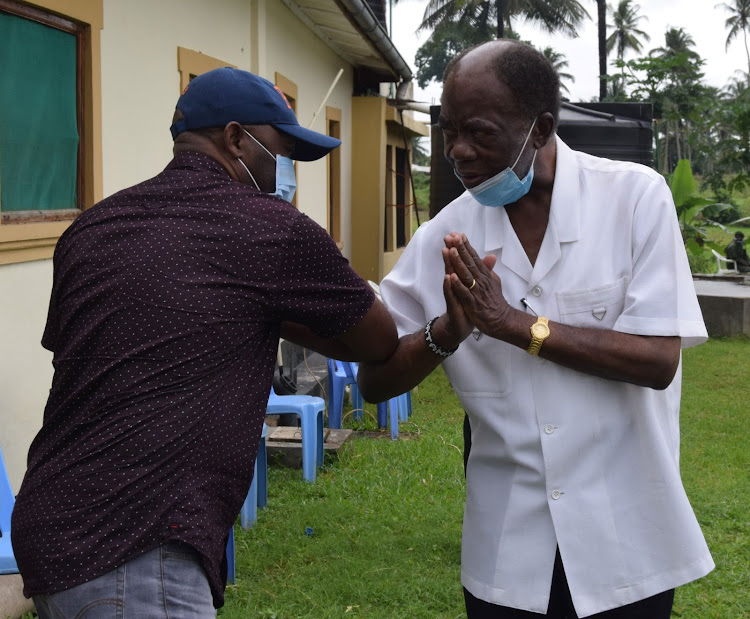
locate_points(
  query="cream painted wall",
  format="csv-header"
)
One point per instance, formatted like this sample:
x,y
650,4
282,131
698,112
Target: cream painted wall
x,y
140,86
312,66
140,83
25,367
140,79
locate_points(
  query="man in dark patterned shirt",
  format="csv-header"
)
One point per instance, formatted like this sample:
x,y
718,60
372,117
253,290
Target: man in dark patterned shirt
x,y
167,305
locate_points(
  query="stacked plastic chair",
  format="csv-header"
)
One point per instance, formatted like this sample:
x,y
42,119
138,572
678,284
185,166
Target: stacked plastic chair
x,y
310,411
257,497
231,564
341,374
7,501
404,406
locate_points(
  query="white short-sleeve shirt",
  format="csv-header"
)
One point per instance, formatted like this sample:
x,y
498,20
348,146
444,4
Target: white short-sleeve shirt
x,y
558,457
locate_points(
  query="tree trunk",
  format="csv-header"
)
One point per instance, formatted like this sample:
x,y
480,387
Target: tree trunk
x,y
500,6
677,138
602,17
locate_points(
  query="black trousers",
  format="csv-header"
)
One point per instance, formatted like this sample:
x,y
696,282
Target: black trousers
x,y
561,605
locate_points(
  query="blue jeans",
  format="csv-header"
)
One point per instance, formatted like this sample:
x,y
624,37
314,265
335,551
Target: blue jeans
x,y
165,583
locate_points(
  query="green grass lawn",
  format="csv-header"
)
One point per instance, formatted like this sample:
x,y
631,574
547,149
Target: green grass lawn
x,y
386,517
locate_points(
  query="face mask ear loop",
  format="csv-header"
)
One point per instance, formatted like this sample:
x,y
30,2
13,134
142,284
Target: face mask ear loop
x,y
249,173
528,135
258,143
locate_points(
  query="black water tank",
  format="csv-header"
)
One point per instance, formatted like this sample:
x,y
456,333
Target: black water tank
x,y
621,131
444,184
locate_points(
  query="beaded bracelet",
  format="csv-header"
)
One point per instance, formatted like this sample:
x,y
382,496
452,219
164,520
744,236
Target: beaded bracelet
x,y
431,343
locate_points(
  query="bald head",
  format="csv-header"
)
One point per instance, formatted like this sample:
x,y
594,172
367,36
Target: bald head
x,y
528,74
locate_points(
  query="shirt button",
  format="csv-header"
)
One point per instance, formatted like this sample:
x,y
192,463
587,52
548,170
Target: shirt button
x,y
549,428
556,494
536,291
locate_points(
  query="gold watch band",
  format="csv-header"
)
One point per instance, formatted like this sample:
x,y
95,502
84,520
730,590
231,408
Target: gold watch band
x,y
539,333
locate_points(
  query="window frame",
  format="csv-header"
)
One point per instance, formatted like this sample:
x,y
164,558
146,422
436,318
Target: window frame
x,y
333,177
289,88
30,236
191,64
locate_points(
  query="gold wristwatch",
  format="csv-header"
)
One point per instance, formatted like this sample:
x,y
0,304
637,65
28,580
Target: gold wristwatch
x,y
539,333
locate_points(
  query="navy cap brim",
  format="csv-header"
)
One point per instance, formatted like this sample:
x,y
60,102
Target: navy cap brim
x,y
310,144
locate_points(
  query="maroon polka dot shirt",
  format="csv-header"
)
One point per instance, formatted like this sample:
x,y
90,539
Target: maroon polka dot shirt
x,y
164,322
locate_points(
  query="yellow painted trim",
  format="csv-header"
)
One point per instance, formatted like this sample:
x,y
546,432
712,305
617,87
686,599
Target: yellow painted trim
x,y
390,259
36,241
413,127
190,62
89,12
368,186
288,87
333,176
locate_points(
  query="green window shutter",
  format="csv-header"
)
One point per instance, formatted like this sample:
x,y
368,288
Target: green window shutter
x,y
38,117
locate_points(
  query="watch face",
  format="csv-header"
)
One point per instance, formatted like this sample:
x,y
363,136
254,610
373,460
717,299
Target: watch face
x,y
540,330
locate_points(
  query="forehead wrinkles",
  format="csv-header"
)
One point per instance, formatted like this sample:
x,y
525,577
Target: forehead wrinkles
x,y
476,95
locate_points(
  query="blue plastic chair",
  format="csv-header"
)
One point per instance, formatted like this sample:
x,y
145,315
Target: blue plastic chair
x,y
404,406
7,501
231,565
257,496
388,409
310,411
341,374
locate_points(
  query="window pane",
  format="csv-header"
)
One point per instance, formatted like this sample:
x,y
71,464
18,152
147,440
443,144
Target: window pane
x,y
38,119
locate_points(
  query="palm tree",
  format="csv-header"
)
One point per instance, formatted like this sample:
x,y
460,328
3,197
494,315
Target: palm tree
x,y
552,15
559,62
625,35
738,21
676,42
601,9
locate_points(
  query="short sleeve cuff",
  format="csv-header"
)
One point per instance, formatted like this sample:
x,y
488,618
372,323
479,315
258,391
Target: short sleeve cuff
x,y
691,332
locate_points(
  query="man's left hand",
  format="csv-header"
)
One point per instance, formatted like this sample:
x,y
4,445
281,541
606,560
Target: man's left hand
x,y
476,286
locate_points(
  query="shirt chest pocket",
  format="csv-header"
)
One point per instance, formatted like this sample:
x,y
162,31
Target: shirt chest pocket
x,y
480,368
597,308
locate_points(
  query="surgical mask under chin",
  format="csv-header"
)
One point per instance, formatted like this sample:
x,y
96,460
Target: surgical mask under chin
x,y
286,181
505,187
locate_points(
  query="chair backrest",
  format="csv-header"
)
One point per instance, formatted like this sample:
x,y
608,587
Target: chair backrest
x,y
721,261
350,369
7,500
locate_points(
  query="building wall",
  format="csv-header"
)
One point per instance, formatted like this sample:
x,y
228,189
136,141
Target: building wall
x,y
25,367
140,80
140,86
312,66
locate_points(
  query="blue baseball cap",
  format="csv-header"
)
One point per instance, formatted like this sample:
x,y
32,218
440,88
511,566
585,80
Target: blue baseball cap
x,y
216,98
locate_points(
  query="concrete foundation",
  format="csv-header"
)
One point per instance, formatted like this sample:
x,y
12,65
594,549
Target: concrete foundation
x,y
725,303
12,603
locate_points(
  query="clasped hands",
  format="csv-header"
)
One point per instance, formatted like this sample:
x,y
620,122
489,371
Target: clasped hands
x,y
473,292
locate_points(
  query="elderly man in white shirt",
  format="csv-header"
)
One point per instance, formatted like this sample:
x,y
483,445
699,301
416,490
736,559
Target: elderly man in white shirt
x,y
561,335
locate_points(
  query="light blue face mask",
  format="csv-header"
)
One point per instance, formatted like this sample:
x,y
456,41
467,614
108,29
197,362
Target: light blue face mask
x,y
286,181
505,187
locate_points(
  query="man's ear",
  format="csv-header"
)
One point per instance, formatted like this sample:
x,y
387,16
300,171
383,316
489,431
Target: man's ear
x,y
544,129
233,134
